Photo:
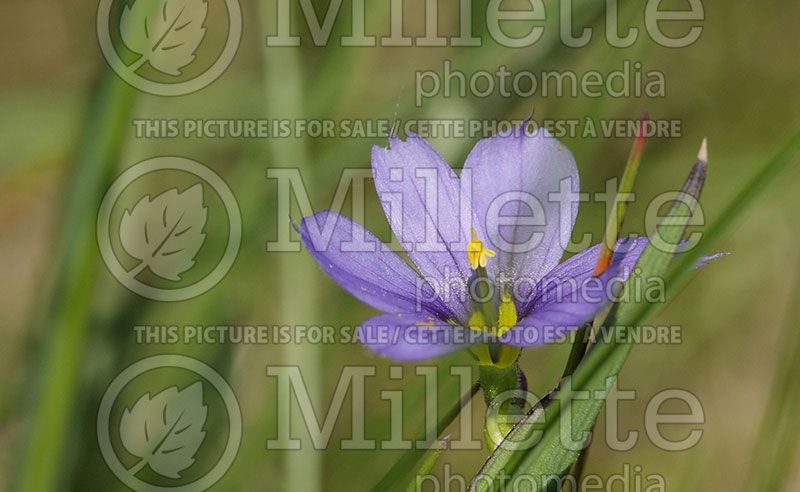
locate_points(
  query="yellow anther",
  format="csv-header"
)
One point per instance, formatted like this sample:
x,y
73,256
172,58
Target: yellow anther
x,y
507,318
497,355
477,252
477,321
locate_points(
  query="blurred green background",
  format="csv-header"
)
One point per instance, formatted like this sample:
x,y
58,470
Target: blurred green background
x,y
67,324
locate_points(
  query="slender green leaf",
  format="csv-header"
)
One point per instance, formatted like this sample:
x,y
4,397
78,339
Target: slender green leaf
x,y
398,474
620,206
428,464
70,306
613,227
776,446
285,79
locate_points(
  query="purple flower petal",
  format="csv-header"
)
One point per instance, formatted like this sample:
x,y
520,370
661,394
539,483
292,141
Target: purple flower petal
x,y
570,295
420,196
577,270
409,337
565,308
359,262
512,178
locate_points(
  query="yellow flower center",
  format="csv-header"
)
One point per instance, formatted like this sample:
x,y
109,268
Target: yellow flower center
x,y
477,252
503,355
485,319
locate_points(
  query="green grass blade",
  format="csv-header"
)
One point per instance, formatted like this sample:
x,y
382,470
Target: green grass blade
x,y
613,227
620,206
428,464
398,474
69,308
776,446
285,76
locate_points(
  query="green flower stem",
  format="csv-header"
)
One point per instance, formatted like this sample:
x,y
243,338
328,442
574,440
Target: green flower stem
x,y
497,383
